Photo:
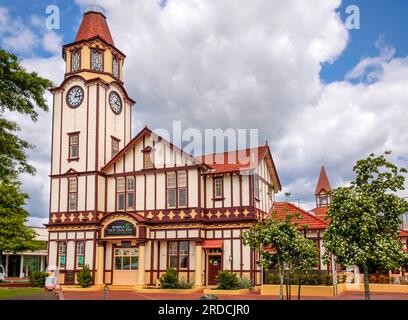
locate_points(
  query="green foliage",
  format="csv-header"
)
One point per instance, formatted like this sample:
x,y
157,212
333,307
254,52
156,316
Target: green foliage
x,y
84,277
169,279
365,218
182,284
227,280
14,235
244,283
37,279
22,92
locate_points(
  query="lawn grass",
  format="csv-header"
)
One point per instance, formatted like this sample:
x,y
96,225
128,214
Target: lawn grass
x,y
6,293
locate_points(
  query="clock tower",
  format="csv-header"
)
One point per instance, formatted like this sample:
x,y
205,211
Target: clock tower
x,y
91,122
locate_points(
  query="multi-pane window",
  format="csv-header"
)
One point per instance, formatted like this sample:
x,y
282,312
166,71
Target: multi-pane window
x,y
182,188
120,190
126,259
73,146
115,68
115,147
96,60
177,189
130,193
178,253
75,61
148,159
171,190
173,254
62,254
256,187
218,187
80,254
183,254
72,194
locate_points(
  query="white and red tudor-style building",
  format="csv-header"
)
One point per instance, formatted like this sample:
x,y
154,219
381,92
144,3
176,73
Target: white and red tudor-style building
x,y
129,208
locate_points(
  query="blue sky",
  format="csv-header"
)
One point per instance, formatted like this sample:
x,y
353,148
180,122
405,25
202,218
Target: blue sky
x,y
378,18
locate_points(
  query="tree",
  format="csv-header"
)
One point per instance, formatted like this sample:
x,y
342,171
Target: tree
x,y
22,92
281,245
14,235
305,255
365,218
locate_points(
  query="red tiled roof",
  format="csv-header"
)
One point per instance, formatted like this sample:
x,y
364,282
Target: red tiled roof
x,y
323,182
307,219
234,160
320,212
94,24
244,159
403,233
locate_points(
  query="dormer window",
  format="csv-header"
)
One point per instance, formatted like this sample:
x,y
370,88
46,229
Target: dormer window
x,y
148,162
115,68
97,60
75,61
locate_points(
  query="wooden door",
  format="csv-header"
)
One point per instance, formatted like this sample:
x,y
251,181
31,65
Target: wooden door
x,y
214,265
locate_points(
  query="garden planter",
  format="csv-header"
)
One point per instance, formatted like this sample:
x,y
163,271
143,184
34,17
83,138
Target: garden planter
x,y
233,292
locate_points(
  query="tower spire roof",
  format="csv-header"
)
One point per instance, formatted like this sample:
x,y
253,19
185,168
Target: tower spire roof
x,y
323,182
94,24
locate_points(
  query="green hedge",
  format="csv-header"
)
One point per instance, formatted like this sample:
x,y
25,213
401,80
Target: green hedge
x,y
37,279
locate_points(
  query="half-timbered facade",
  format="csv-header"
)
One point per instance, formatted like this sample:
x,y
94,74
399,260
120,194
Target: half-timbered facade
x,y
129,208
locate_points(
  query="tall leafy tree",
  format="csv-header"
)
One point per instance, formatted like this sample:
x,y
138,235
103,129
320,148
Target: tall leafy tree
x,y
281,245
14,235
21,92
365,218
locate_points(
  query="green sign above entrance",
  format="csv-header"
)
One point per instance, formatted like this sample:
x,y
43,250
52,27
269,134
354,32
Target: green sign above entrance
x,y
120,228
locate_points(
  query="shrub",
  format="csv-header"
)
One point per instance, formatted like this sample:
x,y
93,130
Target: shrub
x,y
182,284
274,279
169,279
383,279
227,280
85,277
244,283
209,297
37,279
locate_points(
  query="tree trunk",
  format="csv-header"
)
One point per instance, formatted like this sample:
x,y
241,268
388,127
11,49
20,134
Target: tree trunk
x,y
281,280
1,259
366,284
290,282
300,286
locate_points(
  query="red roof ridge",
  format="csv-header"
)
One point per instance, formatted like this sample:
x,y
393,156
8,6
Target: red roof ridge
x,y
321,224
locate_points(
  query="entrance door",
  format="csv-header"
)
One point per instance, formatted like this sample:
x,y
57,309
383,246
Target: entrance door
x,y
13,268
214,265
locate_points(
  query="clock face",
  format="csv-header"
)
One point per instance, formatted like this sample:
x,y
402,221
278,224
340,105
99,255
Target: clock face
x,y
115,102
96,61
76,61
75,96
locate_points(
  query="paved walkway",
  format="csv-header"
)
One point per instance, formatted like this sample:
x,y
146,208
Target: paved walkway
x,y
129,295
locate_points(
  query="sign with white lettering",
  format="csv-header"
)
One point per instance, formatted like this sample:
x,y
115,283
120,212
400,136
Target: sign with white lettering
x,y
120,228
